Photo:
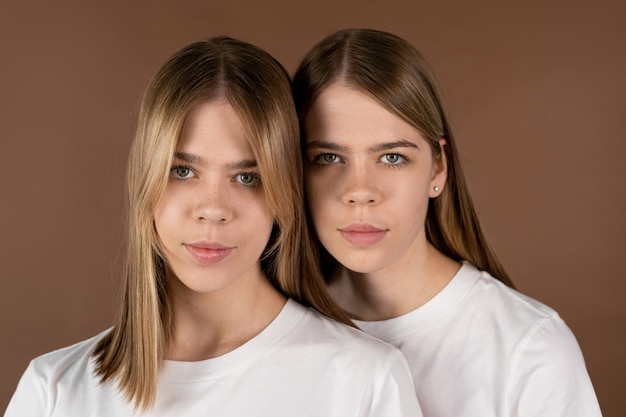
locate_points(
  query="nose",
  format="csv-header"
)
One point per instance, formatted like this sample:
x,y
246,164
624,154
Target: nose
x,y
213,204
360,186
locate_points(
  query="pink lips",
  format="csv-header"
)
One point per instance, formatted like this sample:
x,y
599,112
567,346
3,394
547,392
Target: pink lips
x,y
208,253
362,234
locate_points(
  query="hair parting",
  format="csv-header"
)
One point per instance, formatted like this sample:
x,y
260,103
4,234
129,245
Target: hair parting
x,y
394,73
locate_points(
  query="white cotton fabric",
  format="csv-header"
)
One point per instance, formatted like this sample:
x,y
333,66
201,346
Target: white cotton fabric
x,y
480,348
302,364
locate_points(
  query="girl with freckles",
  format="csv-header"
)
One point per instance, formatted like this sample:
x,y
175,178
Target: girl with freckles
x,y
401,245
224,312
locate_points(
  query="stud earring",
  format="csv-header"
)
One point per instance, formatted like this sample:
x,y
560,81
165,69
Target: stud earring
x,y
436,188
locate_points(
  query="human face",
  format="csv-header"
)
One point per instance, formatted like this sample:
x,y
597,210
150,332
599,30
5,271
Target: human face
x,y
212,219
369,177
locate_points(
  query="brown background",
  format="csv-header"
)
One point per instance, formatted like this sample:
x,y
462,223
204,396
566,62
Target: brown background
x,y
537,95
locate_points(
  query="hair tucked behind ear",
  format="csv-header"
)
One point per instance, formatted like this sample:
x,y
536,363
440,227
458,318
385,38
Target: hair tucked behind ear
x,y
258,89
395,74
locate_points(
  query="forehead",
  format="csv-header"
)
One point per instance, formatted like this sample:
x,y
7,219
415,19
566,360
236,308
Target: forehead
x,y
213,127
346,115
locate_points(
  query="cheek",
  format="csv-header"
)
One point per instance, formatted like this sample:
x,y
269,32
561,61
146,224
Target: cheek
x,y
160,211
254,210
317,195
162,222
166,211
265,216
410,194
416,203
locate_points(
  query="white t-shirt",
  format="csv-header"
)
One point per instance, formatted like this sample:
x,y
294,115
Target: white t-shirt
x,y
482,349
302,364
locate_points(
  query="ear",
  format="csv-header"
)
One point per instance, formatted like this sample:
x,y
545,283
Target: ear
x,y
440,171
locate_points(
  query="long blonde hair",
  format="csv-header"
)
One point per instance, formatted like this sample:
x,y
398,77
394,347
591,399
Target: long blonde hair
x,y
394,73
258,88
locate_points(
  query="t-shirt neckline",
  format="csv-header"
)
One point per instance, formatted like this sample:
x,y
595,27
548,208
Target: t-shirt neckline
x,y
433,310
277,329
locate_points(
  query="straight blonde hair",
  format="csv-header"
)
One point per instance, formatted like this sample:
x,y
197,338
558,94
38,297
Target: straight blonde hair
x,y
258,88
394,73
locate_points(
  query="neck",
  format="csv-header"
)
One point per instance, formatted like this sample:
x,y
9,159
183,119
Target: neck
x,y
207,325
394,290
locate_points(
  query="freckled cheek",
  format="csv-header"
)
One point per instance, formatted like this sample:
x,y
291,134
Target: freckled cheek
x,y
251,208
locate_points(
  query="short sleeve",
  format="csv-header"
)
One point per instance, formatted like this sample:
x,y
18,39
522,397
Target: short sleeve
x,y
394,394
27,400
551,378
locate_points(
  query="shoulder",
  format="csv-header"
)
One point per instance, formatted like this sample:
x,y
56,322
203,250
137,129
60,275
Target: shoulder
x,y
328,333
506,300
363,375
52,378
59,363
529,323
368,359
549,374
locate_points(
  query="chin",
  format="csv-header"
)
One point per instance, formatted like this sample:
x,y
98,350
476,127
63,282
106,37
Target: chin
x,y
363,266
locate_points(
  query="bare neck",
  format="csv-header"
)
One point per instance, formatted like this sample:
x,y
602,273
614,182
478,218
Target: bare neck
x,y
395,290
207,325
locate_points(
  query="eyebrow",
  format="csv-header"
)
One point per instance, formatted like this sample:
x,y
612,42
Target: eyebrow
x,y
195,159
188,157
376,148
245,164
392,145
316,144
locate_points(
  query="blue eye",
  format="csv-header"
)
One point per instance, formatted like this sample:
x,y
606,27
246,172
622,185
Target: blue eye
x,y
181,172
249,179
393,158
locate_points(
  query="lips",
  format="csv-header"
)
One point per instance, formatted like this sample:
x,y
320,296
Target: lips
x,y
362,235
208,253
